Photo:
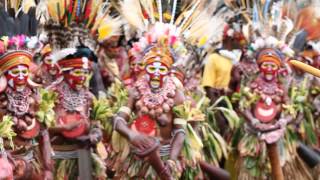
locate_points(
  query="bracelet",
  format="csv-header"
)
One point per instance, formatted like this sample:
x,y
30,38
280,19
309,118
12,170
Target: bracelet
x,y
179,121
116,120
177,131
126,110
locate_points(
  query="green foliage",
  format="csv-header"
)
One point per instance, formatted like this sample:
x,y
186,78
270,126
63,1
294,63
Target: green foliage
x,y
6,130
228,112
46,114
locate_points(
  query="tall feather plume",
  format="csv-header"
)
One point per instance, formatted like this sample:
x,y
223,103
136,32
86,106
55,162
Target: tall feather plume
x,y
285,28
27,4
75,22
148,12
276,18
159,7
199,23
173,13
290,37
205,27
131,10
109,26
188,14
42,13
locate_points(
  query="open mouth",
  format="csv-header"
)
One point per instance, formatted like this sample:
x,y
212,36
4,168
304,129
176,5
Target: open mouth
x,y
53,71
155,82
20,87
79,86
269,76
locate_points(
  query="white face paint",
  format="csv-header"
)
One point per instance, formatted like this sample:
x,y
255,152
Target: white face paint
x,y
17,77
156,71
20,71
157,68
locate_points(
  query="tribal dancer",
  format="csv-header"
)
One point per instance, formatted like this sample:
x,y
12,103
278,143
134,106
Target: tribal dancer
x,y
30,152
268,146
152,137
74,132
73,29
47,72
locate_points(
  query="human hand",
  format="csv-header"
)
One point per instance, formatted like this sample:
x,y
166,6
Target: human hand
x,y
72,125
141,142
95,135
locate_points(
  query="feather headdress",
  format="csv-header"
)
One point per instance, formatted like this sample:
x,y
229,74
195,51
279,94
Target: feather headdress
x,y
174,24
71,23
269,28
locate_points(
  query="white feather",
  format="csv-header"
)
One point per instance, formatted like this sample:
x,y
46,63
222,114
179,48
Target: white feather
x,y
272,41
59,55
33,42
289,27
43,37
132,12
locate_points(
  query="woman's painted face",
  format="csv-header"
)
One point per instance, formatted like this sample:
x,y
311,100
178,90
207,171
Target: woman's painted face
x,y
156,71
17,77
76,78
269,70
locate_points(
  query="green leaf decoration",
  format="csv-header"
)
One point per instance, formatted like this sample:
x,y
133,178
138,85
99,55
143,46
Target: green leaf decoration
x,y
46,114
6,130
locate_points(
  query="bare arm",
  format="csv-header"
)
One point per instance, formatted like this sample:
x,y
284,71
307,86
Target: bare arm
x,y
177,142
46,149
178,131
121,119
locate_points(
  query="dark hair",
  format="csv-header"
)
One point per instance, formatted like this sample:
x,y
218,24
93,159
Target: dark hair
x,y
83,51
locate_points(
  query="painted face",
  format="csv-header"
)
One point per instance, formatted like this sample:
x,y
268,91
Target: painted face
x,y
136,67
17,77
156,71
269,70
76,78
51,67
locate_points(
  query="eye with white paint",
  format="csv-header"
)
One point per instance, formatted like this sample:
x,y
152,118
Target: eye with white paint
x,y
19,70
158,68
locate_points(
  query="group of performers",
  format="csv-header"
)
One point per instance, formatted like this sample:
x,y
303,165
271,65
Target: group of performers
x,y
159,89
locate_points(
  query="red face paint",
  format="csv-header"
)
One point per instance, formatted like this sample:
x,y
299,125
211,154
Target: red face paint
x,y
76,78
269,70
156,71
17,77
